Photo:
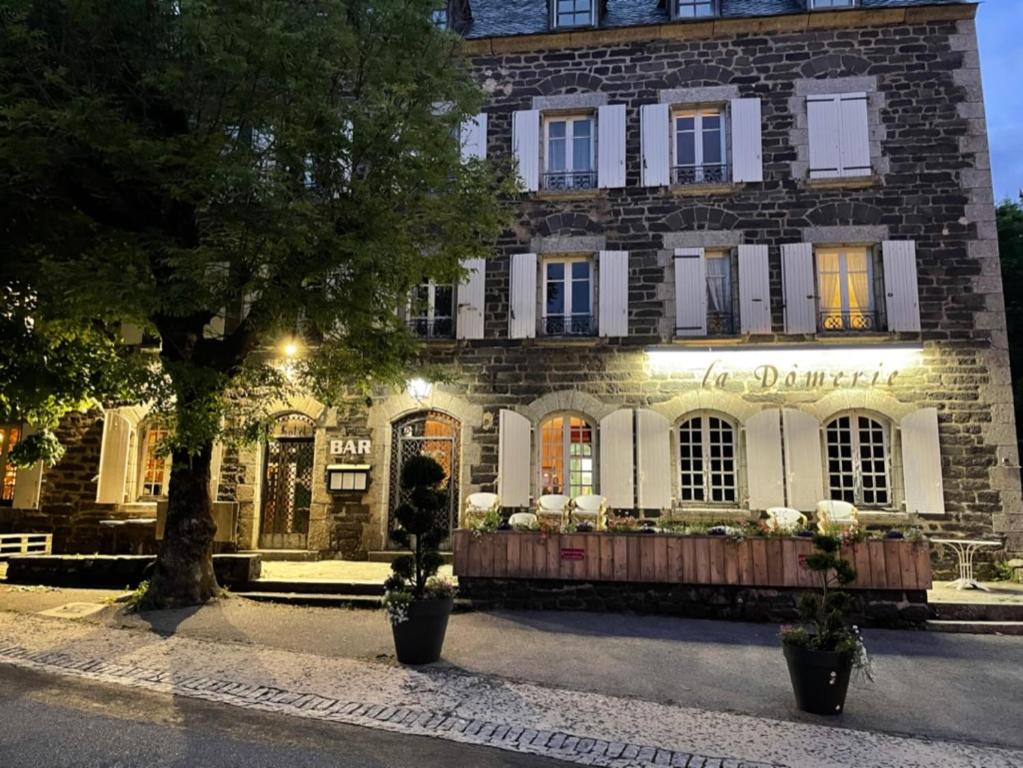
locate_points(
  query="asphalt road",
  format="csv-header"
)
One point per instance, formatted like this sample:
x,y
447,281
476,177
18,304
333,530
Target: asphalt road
x,y
59,722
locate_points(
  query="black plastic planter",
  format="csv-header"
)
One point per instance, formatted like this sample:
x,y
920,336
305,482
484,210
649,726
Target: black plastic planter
x,y
820,679
420,638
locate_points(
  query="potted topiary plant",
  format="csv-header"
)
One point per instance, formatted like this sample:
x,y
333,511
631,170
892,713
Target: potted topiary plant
x,y
419,603
823,650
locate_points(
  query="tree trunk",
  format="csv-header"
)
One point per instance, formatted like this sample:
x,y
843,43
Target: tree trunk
x,y
184,568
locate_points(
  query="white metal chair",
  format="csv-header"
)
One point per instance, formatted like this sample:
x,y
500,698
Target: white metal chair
x,y
785,519
479,505
523,520
553,508
840,515
591,509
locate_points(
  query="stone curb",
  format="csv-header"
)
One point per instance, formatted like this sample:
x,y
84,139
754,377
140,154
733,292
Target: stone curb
x,y
414,722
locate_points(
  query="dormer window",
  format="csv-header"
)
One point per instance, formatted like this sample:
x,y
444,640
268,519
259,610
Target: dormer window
x,y
439,18
819,5
695,9
574,13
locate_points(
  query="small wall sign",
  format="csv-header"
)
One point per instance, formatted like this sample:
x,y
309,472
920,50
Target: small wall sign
x,y
573,554
351,447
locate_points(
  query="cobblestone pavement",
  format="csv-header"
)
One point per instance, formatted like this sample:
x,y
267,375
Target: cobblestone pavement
x,y
584,728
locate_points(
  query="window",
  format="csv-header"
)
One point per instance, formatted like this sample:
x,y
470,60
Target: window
x,y
573,13
432,311
857,460
707,460
721,320
839,135
9,436
568,153
699,147
568,297
694,9
155,466
439,18
567,457
845,290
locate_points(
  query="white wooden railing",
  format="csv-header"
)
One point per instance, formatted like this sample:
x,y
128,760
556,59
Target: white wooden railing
x,y
25,544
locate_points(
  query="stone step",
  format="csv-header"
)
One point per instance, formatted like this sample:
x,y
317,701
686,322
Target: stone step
x,y
980,611
284,555
318,586
388,555
1014,628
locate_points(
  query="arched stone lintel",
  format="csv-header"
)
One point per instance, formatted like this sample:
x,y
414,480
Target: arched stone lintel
x,y
709,400
567,401
304,404
873,400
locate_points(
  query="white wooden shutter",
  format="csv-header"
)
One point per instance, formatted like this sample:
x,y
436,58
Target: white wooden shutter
x,y
798,283
690,292
764,471
471,298
27,480
921,463
131,334
473,137
513,459
854,137
526,147
216,462
616,463
754,289
522,301
902,295
113,458
611,146
613,297
804,469
822,116
747,141
653,456
655,145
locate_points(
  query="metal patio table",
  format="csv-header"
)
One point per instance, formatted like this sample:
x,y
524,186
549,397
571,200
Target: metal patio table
x,y
965,550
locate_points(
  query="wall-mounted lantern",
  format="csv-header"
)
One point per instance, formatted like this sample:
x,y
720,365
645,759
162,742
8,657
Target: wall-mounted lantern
x,y
347,477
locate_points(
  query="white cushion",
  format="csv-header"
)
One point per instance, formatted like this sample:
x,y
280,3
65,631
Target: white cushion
x,y
554,502
523,520
483,501
785,518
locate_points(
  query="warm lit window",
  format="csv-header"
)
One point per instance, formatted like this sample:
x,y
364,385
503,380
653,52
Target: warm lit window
x,y
857,451
154,463
694,9
567,457
845,287
569,152
568,297
707,460
9,436
432,311
720,314
699,147
573,13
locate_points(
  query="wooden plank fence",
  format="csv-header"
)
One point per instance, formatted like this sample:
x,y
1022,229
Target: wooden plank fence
x,y
25,544
697,560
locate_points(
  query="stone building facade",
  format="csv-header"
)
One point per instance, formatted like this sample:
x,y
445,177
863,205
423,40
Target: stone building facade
x,y
848,340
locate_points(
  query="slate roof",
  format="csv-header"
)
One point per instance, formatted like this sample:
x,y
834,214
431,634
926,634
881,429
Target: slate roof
x,y
505,18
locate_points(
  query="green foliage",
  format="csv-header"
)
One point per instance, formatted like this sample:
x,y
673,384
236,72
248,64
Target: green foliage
x,y
137,599
418,526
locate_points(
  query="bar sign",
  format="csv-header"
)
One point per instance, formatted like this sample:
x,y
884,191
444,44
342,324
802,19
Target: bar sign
x,y
572,554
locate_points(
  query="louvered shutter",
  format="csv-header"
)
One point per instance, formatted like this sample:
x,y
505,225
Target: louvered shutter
x,y
473,137
613,297
655,145
764,471
522,302
747,141
611,146
27,481
902,294
526,147
921,463
798,283
804,469
513,460
113,458
754,289
854,141
616,461
825,137
216,463
690,292
471,297
653,457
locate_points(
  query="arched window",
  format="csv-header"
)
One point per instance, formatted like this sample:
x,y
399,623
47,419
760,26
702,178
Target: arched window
x,y
707,460
567,456
857,449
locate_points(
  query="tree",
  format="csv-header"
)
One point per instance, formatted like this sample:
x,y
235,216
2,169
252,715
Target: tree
x,y
1010,245
227,176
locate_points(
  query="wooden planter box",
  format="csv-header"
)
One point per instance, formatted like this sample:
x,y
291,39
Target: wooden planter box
x,y
698,560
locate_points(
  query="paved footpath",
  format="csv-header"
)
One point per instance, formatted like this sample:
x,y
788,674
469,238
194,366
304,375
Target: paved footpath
x,y
583,728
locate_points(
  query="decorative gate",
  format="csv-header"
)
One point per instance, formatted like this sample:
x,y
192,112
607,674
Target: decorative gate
x,y
431,434
287,484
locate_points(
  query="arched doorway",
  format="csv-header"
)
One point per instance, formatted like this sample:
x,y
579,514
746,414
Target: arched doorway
x,y
287,483
426,433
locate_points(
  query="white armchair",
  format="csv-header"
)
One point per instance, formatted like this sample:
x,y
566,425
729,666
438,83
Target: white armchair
x,y
553,508
785,519
833,515
478,506
591,509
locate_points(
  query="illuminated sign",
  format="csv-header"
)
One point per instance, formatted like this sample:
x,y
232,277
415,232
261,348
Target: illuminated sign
x,y
768,377
349,447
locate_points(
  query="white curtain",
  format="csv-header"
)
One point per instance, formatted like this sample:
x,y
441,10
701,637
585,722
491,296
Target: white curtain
x,y
719,285
859,282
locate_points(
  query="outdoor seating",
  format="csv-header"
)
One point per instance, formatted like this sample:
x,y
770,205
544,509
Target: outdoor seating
x,y
553,508
523,520
832,515
785,519
591,509
479,505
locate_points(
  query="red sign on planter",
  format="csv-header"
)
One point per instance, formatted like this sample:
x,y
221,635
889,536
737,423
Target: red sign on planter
x,y
572,554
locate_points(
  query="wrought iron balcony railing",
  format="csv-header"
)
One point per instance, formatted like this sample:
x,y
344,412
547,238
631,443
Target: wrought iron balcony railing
x,y
437,328
849,322
560,181
569,325
700,174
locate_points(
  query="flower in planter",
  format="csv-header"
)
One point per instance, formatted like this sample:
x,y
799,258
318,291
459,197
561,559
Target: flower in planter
x,y
621,523
584,527
894,534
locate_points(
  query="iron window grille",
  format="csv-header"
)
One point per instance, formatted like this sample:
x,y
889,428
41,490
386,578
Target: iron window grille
x,y
700,174
561,181
849,322
569,325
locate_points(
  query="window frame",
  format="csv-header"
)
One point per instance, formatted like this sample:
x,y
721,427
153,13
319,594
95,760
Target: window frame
x,y
870,319
728,324
567,417
144,442
855,456
9,473
568,261
677,5
569,171
699,167
814,5
556,21
414,316
706,473
439,18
